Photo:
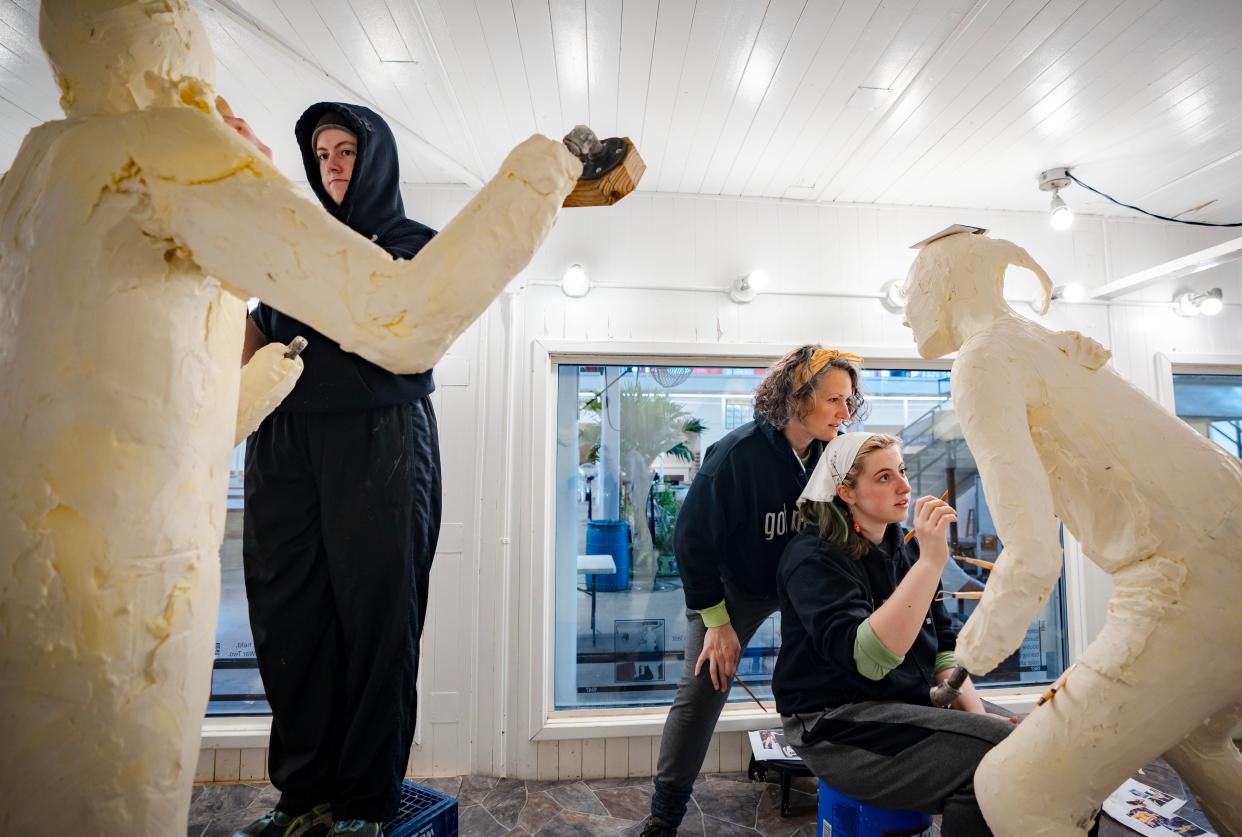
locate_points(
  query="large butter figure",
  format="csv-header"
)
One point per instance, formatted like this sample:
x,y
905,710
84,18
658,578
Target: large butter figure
x,y
1058,434
131,233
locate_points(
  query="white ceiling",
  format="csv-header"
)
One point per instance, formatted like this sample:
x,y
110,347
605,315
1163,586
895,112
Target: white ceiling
x,y
908,102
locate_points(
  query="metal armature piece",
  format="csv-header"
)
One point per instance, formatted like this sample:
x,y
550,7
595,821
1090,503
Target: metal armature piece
x,y
296,345
943,694
598,157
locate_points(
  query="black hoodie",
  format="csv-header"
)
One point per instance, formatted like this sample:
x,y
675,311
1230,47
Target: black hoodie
x,y
739,514
825,596
333,379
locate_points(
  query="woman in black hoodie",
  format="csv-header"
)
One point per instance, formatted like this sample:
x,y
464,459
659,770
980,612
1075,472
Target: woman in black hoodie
x,y
342,514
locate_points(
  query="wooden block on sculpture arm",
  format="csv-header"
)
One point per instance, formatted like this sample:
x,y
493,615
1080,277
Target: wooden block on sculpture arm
x,y
604,180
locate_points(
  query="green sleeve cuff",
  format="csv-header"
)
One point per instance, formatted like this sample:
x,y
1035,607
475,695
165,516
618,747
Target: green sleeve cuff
x,y
716,615
871,658
945,659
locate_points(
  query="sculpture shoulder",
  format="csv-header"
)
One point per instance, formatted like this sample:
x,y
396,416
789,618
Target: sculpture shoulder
x,y
188,146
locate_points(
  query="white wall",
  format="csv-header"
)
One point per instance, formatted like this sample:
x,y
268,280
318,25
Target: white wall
x,y
659,264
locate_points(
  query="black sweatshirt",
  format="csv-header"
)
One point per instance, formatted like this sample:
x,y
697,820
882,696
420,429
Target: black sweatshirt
x,y
825,595
739,513
334,379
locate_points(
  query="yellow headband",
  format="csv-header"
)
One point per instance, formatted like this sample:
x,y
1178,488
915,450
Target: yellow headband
x,y
817,363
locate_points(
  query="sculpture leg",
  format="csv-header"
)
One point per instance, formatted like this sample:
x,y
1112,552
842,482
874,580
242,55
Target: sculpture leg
x,y
1049,778
1210,763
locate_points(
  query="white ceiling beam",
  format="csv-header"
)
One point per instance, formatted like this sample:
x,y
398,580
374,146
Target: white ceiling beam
x,y
430,152
1186,265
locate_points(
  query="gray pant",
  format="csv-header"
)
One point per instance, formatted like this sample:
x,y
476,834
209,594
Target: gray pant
x,y
896,755
692,718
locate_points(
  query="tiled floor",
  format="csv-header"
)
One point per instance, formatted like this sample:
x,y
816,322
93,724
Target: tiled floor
x,y
724,805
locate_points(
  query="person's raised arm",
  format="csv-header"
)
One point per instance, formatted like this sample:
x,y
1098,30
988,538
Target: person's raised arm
x,y
897,622
989,400
241,221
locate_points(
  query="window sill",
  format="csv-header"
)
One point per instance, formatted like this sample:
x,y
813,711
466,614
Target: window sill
x,y
620,724
236,732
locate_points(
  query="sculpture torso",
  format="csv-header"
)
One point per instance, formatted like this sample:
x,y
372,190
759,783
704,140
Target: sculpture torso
x,y
1113,483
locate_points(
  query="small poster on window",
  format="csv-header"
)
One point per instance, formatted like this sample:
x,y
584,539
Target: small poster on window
x,y
639,646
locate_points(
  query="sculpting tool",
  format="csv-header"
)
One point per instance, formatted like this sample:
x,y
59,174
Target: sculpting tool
x,y
749,692
961,594
978,562
1052,690
910,534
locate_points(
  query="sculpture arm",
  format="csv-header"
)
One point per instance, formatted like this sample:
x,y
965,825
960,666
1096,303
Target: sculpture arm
x,y
247,225
266,380
988,396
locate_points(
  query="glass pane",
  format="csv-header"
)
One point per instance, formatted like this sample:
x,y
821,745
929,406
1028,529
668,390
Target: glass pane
x,y
1212,405
625,460
236,688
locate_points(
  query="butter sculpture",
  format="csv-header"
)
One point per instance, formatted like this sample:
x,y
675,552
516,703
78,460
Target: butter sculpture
x,y
131,233
1057,434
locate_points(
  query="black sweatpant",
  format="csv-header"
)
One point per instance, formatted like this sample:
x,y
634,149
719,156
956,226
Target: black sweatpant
x,y
341,519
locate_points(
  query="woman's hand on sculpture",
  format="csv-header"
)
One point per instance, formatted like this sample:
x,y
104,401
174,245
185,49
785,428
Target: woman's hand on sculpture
x,y
932,517
241,126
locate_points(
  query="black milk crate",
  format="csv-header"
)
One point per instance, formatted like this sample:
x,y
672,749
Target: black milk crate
x,y
423,812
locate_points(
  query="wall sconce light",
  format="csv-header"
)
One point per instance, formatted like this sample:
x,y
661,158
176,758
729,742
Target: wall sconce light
x,y
745,288
893,295
575,282
1190,304
1054,180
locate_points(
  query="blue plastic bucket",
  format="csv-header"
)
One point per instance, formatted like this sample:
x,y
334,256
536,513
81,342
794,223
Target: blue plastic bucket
x,y
610,537
841,816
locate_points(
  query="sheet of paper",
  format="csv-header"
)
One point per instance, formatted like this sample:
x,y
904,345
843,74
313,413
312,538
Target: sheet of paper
x,y
1148,810
769,745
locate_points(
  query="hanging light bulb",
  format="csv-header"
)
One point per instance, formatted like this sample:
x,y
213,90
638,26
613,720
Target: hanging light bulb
x,y
1054,180
1212,303
1062,217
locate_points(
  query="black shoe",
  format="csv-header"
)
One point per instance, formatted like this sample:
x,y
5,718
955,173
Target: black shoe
x,y
657,827
313,823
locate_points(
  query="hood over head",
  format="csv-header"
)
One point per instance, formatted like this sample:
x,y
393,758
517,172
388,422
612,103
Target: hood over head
x,y
372,204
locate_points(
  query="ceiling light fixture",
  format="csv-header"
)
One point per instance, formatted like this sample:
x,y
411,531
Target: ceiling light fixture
x,y
1190,304
1054,180
575,282
745,288
893,296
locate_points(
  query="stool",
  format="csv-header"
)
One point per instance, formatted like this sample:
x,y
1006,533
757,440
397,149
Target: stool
x,y
841,816
787,768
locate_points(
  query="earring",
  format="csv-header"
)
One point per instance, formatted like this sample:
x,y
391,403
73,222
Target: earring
x,y
857,528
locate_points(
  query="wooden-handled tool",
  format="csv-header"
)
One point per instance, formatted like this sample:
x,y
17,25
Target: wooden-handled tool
x,y
910,534
611,168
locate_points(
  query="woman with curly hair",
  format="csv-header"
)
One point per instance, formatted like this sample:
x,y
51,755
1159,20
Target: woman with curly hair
x,y
738,515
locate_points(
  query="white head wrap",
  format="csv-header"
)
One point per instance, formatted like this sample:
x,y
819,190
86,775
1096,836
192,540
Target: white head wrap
x,y
833,465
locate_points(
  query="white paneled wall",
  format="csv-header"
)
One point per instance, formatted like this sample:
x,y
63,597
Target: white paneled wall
x,y
659,264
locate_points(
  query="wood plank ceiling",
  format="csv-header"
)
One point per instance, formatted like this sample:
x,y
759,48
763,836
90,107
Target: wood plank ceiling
x,y
906,102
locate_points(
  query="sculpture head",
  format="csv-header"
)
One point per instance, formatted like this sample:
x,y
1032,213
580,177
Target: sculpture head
x,y
114,56
955,288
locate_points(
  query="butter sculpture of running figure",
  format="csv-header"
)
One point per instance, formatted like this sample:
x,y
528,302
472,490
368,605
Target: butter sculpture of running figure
x,y
1059,435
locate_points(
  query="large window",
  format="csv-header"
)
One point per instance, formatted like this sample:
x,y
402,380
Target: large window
x,y
236,688
1212,405
630,442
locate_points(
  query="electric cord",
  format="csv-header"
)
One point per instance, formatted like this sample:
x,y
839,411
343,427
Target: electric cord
x,y
1070,175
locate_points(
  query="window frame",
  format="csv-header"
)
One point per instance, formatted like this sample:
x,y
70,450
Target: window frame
x,y
544,721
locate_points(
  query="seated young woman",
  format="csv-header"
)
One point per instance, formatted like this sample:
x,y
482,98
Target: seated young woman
x,y
863,639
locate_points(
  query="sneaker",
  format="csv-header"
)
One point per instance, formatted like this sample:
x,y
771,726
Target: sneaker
x,y
314,823
657,827
356,828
